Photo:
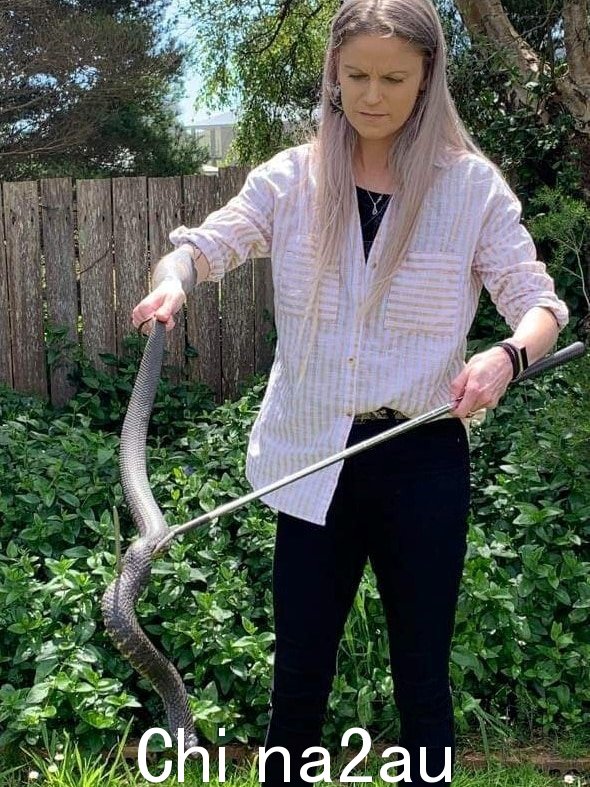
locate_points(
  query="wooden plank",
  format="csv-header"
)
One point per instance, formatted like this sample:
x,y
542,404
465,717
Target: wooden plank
x,y
57,221
96,269
5,349
237,305
23,258
130,222
201,197
165,211
263,316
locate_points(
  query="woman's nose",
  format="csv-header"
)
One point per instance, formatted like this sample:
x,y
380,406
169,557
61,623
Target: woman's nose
x,y
373,94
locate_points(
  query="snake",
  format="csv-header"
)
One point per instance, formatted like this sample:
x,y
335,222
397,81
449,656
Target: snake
x,y
119,599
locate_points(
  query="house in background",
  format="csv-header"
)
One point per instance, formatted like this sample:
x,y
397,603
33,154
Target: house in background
x,y
215,133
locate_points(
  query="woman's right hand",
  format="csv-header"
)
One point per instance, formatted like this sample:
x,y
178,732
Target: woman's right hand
x,y
162,302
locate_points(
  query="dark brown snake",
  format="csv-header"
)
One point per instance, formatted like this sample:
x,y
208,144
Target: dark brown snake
x,y
118,601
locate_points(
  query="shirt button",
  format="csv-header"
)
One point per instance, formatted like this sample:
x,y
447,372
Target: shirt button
x,y
351,360
349,413
373,265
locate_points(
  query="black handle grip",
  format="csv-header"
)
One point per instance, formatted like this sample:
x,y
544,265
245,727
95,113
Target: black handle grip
x,y
568,353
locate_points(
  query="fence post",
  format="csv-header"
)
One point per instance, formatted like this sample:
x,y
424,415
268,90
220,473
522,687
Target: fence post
x,y
200,198
23,256
130,243
57,223
5,349
165,202
95,231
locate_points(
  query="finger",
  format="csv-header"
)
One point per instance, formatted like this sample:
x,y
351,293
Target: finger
x,y
145,327
165,312
138,317
493,404
144,310
169,306
458,384
470,402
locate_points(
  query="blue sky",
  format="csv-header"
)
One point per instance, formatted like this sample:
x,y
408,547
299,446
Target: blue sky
x,y
192,82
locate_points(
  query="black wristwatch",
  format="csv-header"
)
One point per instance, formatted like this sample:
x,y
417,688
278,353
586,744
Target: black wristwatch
x,y
517,355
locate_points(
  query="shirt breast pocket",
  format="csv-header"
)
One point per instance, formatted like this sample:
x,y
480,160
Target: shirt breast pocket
x,y
424,296
296,282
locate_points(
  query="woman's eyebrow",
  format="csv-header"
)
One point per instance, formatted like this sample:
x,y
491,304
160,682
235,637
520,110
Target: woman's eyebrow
x,y
396,71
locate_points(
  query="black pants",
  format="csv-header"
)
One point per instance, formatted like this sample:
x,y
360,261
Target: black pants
x,y
404,505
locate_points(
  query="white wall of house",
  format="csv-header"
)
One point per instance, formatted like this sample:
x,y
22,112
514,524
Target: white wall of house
x,y
216,134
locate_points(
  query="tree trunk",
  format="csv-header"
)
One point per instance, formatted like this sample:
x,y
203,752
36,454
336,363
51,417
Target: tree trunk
x,y
488,18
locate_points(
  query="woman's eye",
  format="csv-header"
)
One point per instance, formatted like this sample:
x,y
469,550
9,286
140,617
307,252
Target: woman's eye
x,y
389,79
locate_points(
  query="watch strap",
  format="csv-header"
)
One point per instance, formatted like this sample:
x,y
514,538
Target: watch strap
x,y
518,357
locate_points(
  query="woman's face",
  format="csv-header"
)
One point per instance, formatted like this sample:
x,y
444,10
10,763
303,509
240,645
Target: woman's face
x,y
380,79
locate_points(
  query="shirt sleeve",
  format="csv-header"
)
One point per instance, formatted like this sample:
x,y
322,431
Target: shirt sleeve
x,y
506,262
240,230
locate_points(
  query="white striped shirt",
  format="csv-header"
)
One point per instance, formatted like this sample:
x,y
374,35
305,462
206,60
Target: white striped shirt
x,y
407,352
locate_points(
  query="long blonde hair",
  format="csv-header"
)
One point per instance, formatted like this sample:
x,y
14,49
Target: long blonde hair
x,y
433,126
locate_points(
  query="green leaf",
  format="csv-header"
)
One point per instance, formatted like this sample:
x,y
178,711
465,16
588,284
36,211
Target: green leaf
x,y
38,693
70,499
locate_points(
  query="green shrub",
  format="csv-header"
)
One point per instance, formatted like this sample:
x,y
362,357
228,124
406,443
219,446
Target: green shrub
x,y
559,225
522,629
521,651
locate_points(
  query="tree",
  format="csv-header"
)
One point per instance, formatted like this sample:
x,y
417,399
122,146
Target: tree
x,y
547,45
268,59
85,90
562,53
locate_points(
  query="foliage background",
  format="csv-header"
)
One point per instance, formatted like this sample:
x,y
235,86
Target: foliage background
x,y
521,655
88,91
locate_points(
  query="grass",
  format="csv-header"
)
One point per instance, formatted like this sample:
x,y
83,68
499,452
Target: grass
x,y
495,776
65,765
68,767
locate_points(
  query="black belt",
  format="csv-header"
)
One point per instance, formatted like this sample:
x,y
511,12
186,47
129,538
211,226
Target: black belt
x,y
383,414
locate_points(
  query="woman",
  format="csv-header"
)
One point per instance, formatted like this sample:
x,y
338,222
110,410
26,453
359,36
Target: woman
x,y
382,231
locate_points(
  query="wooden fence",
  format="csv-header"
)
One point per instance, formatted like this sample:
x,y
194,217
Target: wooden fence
x,y
78,254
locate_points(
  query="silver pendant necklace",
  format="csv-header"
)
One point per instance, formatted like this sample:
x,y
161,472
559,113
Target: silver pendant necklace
x,y
373,202
376,203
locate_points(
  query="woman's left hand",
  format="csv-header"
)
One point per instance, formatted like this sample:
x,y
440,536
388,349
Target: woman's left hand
x,y
483,381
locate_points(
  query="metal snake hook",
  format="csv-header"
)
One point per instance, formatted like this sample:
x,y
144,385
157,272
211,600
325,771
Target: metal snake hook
x,y
568,353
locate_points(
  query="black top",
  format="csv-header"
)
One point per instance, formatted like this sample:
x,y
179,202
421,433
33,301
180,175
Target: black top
x,y
372,206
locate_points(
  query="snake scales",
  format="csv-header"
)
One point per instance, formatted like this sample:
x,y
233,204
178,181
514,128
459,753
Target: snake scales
x,y
118,601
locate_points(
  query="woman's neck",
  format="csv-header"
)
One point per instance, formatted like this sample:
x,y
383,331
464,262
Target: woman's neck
x,y
370,168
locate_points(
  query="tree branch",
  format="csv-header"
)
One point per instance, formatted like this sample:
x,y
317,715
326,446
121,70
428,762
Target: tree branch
x,y
284,12
488,18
